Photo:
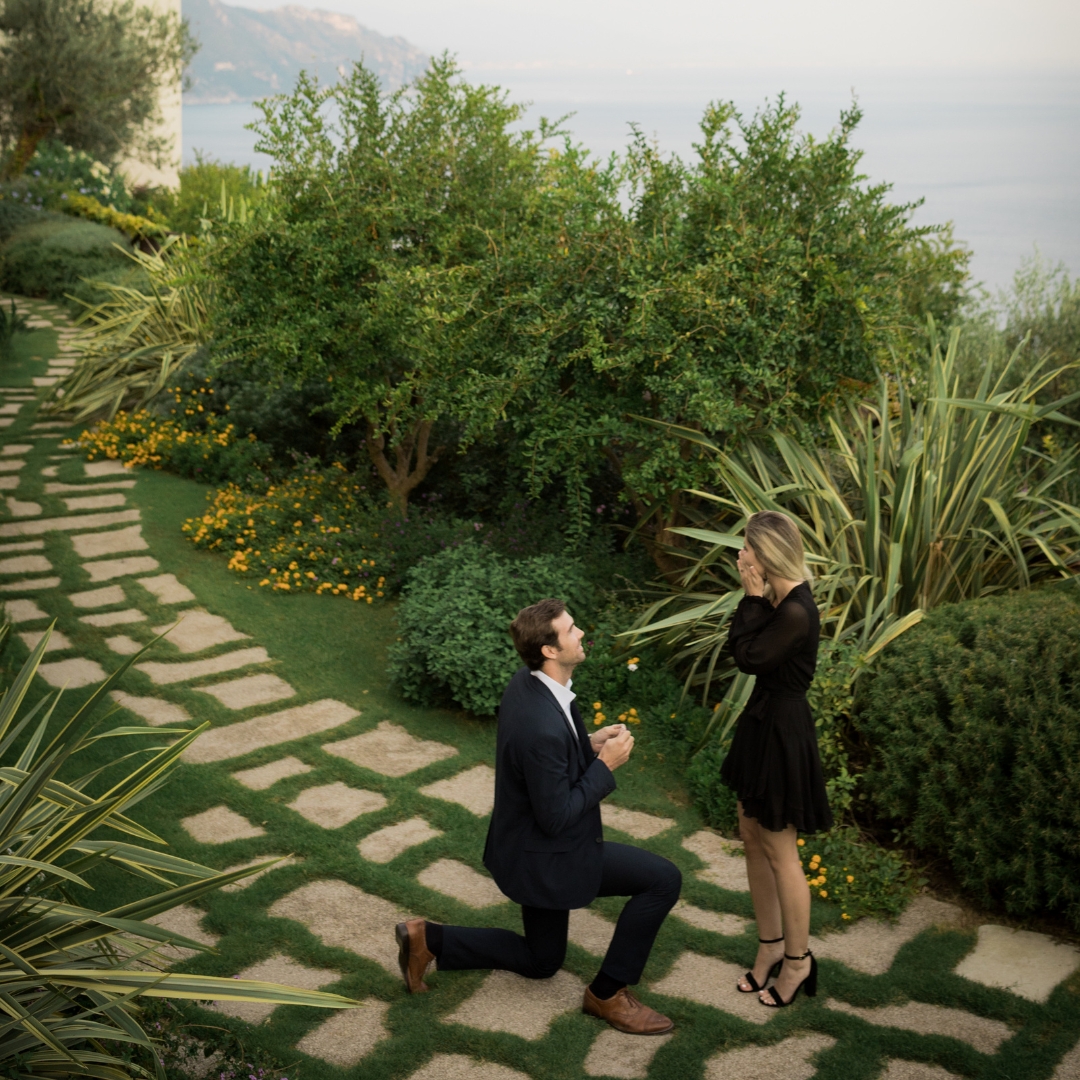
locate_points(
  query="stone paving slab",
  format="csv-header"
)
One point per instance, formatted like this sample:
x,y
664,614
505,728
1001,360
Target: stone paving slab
x,y
264,776
591,931
25,564
58,488
345,917
94,598
633,822
123,645
9,483
16,448
522,1007
333,805
1020,961
22,508
197,630
20,611
626,1057
709,981
93,545
250,690
899,1069
984,1035
94,502
154,711
722,866
463,883
275,969
73,673
30,639
244,883
106,468
349,1035
460,1067
220,825
474,789
389,749
787,1060
114,618
165,673
871,945
714,921
38,526
23,545
11,466
167,589
287,725
31,585
186,921
1068,1067
384,845
107,569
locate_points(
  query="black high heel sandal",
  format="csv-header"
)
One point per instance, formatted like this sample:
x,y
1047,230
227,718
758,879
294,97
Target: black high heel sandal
x,y
810,982
772,973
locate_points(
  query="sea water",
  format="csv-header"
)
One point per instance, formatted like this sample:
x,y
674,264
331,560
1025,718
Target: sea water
x,y
996,153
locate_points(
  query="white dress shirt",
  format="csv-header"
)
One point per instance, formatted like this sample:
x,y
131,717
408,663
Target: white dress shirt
x,y
563,695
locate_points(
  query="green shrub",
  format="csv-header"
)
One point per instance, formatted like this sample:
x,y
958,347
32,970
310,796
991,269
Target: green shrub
x,y
718,804
973,718
453,620
50,258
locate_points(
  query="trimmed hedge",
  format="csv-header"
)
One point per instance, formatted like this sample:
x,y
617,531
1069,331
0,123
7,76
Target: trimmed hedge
x,y
50,257
454,620
974,722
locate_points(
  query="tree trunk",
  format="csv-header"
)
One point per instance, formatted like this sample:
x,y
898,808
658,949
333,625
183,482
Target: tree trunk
x,y
404,475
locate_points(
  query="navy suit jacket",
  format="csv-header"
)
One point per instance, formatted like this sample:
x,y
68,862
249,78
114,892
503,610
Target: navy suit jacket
x,y
545,841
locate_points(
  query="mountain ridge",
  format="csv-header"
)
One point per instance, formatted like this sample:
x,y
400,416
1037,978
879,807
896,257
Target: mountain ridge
x,y
246,54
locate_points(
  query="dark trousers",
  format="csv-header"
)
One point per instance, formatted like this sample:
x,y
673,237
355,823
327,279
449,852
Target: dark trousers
x,y
651,882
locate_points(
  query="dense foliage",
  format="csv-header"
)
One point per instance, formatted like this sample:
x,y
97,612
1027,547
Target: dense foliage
x,y
88,73
454,617
972,722
738,291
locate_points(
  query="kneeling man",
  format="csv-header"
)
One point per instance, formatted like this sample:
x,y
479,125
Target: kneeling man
x,y
545,846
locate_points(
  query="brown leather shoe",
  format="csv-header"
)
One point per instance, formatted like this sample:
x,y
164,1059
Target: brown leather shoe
x,y
625,1013
413,954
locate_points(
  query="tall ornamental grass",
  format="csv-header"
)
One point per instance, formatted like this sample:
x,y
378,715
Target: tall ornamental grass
x,y
70,976
903,505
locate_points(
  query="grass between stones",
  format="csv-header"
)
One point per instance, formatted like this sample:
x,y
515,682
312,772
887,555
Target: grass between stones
x,y
333,649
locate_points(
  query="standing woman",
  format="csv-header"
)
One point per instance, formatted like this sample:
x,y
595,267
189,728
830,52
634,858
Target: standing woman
x,y
773,765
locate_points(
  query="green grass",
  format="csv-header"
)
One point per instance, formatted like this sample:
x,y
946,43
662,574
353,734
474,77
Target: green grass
x,y
329,647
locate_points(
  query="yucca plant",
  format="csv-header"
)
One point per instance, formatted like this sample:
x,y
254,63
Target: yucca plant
x,y
133,343
70,976
905,505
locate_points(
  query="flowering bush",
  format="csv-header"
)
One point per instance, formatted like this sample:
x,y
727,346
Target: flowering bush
x,y
858,876
307,533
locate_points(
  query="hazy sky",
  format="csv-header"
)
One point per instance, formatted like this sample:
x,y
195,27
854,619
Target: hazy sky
x,y
725,33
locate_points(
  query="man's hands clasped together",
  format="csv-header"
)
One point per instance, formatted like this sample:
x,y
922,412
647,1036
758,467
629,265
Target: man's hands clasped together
x,y
613,745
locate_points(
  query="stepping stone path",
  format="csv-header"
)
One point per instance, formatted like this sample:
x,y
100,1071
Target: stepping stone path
x,y
73,548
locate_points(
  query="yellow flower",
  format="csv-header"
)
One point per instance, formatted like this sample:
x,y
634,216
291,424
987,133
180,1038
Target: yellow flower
x,y
598,720
844,915
850,879
801,842
824,894
597,705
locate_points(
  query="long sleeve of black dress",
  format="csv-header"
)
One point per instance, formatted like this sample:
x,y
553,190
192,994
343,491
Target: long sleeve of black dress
x,y
773,764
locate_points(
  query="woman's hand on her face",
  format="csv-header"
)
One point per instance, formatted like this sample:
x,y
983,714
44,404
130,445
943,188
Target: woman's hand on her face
x,y
753,582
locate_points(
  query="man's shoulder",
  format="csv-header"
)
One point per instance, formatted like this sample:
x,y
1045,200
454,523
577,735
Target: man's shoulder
x,y
525,695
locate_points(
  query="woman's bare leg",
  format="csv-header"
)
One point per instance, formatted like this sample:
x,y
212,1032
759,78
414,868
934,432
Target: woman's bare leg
x,y
782,854
763,892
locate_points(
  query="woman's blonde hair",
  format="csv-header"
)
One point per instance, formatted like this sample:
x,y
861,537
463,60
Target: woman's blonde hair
x,y
778,545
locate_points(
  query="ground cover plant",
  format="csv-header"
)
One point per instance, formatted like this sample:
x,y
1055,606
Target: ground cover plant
x,y
972,729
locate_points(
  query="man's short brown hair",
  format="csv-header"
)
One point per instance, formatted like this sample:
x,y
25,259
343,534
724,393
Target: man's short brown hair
x,y
533,629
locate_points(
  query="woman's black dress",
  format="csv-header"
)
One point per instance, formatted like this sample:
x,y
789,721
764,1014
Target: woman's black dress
x,y
773,765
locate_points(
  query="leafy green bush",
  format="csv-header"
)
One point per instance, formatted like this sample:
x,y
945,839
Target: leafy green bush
x,y
859,876
974,722
50,258
718,804
204,188
454,615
